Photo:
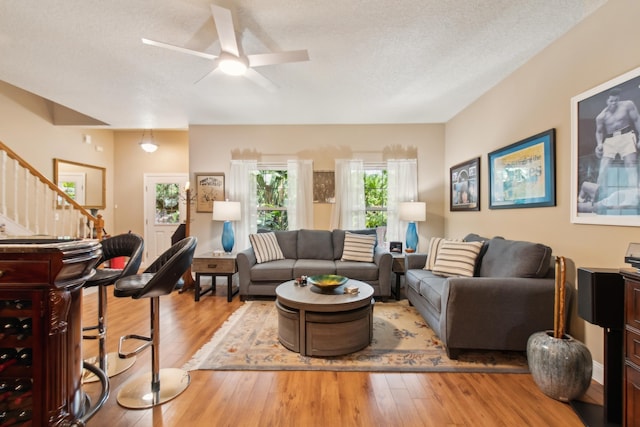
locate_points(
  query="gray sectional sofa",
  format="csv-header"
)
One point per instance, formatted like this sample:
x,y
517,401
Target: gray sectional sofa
x,y
311,252
510,296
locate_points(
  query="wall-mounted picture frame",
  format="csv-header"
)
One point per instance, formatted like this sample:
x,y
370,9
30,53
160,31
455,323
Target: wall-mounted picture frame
x,y
464,194
523,174
209,187
604,153
324,187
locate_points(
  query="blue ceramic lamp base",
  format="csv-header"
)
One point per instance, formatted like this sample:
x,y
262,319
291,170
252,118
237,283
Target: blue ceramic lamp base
x,y
411,238
227,237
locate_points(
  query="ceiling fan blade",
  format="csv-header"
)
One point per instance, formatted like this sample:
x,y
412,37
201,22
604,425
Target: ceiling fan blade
x,y
261,59
179,49
226,32
212,72
260,80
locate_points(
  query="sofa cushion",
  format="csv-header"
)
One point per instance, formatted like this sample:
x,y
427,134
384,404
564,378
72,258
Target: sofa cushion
x,y
512,258
266,247
358,247
311,267
280,270
365,271
315,244
431,289
338,239
457,258
288,241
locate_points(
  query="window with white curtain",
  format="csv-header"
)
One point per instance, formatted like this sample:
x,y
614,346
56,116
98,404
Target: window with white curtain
x,y
275,196
368,194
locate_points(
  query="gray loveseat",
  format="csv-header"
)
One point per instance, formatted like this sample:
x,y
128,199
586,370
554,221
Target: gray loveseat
x,y
307,253
510,296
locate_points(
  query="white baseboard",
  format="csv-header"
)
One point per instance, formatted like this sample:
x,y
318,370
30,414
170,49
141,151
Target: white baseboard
x,y
598,372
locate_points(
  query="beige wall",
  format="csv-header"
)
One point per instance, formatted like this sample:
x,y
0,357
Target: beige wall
x,y
26,126
132,163
536,98
211,149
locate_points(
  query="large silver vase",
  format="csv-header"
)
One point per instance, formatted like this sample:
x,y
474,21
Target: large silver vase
x,y
561,367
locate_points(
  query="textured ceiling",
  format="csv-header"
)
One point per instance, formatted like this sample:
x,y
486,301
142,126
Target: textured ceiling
x,y
371,61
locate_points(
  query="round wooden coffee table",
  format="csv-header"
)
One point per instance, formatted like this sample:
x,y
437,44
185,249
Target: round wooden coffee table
x,y
316,323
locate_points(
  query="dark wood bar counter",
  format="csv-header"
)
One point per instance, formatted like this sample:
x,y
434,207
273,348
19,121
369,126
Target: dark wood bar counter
x,y
41,283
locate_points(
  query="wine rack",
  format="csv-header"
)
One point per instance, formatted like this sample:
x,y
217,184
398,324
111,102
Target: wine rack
x,y
16,361
40,332
19,386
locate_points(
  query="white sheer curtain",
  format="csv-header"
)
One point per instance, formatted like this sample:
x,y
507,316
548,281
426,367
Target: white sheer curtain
x,y
348,211
300,194
242,188
402,186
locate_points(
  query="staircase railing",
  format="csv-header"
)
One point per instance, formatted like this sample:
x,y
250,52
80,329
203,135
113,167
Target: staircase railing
x,y
34,203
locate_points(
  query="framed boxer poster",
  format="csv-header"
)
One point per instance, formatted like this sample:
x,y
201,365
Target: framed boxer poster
x,y
604,153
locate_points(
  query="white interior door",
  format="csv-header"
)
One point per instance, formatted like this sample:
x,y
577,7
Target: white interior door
x,y
164,210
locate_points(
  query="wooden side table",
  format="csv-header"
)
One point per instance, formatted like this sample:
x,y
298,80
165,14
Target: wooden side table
x,y
398,268
207,264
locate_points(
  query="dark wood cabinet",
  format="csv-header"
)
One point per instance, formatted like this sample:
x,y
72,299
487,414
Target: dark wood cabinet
x,y
40,330
631,347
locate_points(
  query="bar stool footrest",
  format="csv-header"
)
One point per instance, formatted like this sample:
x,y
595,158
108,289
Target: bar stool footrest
x,y
148,342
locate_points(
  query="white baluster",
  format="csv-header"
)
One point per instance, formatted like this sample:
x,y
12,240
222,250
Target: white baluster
x,y
15,191
3,183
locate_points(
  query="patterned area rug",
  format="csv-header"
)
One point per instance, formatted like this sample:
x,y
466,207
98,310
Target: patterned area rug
x,y
402,342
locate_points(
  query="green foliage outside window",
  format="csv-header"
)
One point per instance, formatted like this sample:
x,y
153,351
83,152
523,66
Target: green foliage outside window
x,y
375,197
272,195
167,203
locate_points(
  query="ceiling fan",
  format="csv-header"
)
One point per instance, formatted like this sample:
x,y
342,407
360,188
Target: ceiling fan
x,y
231,59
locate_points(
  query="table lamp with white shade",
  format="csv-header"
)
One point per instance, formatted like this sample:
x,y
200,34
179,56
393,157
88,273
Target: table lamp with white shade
x,y
226,211
412,212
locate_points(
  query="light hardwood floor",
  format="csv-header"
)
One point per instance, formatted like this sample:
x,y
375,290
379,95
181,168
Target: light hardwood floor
x,y
306,398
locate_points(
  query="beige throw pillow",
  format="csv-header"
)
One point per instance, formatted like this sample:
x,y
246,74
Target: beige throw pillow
x,y
457,258
432,252
358,247
266,247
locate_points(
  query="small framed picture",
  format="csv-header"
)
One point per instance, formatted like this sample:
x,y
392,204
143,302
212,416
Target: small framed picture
x,y
523,174
324,187
395,247
209,187
465,186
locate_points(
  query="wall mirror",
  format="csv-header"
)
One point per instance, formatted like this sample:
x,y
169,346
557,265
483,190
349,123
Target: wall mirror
x,y
83,183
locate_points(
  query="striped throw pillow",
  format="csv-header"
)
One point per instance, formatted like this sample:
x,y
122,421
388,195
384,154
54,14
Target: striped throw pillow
x,y
266,247
358,247
457,258
432,252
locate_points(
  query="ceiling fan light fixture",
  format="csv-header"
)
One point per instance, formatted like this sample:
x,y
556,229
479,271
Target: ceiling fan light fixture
x,y
232,65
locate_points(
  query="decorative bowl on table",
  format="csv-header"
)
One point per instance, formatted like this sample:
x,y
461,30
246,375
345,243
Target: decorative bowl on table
x,y
327,282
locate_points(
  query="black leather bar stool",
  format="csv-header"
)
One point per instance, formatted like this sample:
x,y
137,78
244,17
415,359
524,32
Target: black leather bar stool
x,y
147,390
123,245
